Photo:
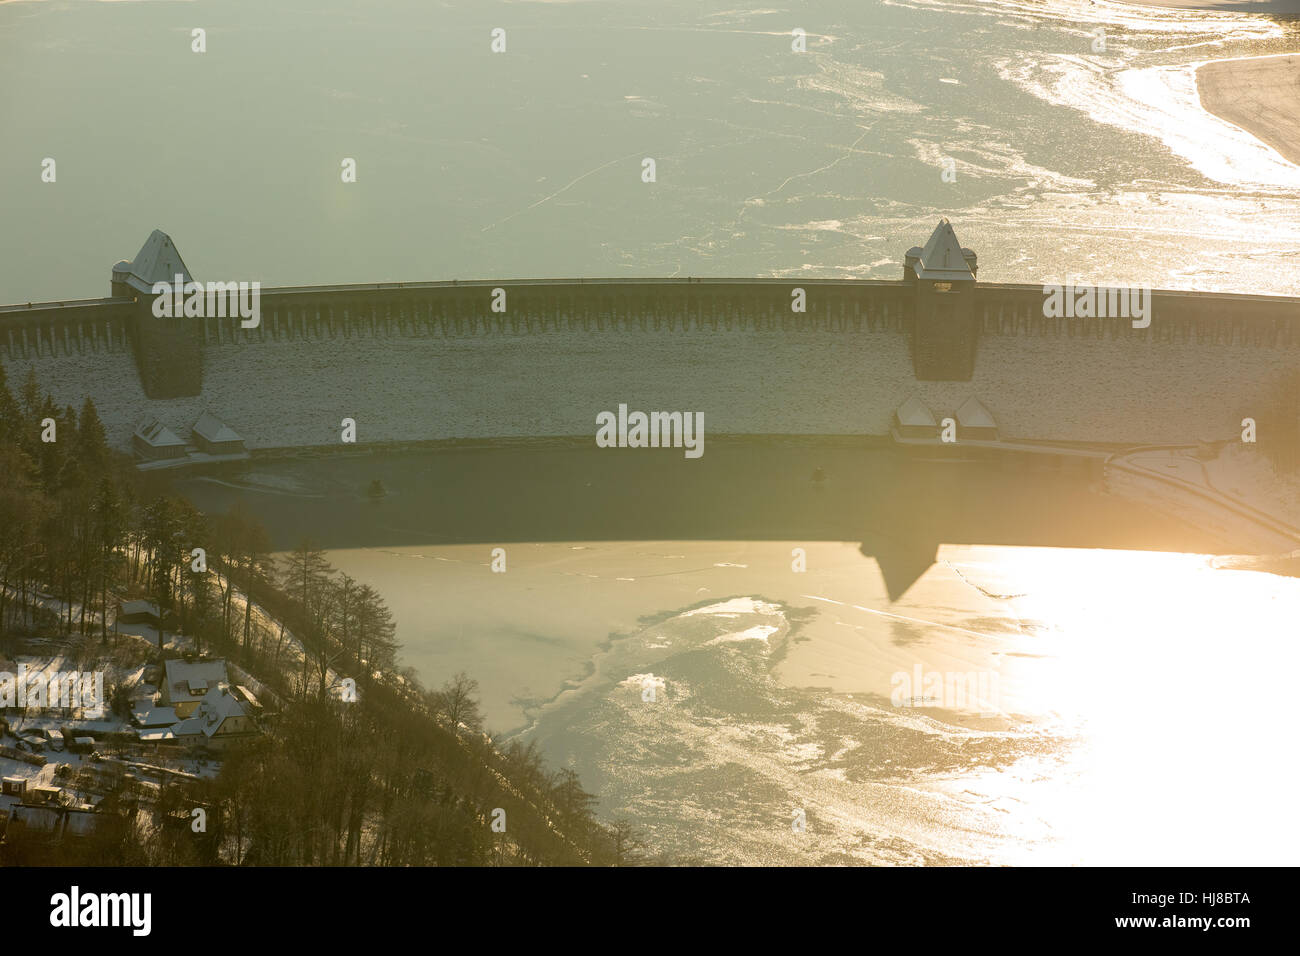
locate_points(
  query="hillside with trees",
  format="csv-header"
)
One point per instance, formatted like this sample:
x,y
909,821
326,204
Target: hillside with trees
x,y
393,774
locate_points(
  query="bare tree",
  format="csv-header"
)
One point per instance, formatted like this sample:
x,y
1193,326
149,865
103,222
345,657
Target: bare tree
x,y
457,701
628,845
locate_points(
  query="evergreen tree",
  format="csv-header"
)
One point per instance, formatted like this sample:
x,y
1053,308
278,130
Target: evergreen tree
x,y
376,644
11,415
305,573
92,449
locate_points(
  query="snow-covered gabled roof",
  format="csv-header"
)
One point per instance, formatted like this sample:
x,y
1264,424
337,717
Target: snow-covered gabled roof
x,y
157,434
190,726
149,714
140,607
157,261
245,696
214,429
972,414
181,674
943,257
217,705
915,412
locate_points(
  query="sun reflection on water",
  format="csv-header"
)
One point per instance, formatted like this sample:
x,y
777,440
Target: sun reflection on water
x,y
1171,676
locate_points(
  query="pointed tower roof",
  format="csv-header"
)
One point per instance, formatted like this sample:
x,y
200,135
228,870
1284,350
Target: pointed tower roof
x,y
157,261
943,257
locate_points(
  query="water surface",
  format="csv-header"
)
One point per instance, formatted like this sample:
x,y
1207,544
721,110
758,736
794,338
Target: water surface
x,y
1069,163
1132,715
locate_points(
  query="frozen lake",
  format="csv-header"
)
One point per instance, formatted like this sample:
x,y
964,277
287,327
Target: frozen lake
x,y
1068,162
774,688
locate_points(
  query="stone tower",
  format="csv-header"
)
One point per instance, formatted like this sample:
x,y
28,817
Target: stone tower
x,y
168,352
944,330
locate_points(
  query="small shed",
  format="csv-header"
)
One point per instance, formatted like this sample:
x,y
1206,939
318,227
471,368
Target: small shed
x,y
975,422
154,441
141,612
43,796
913,419
14,786
214,437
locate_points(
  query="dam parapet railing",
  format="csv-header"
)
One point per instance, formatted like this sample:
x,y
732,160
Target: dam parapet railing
x,y
465,308
82,326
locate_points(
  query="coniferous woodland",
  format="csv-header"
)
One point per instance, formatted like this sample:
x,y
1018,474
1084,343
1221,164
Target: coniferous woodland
x,y
400,776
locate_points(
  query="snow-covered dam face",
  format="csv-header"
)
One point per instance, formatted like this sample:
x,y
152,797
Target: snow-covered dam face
x,y
518,360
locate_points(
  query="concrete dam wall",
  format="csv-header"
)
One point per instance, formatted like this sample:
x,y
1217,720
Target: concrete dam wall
x,y
429,361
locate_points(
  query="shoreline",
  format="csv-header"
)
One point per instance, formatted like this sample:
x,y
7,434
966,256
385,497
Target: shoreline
x,y
1282,8
1260,95
586,565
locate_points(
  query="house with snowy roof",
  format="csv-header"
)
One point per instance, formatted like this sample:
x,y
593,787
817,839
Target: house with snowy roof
x,y
146,711
154,441
214,437
187,682
913,419
142,612
223,716
975,422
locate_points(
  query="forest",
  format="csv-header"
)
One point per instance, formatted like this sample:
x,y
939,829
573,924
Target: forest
x,y
402,775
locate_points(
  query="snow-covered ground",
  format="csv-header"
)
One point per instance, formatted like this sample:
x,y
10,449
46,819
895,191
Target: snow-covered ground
x,y
1237,494
35,776
413,388
1243,472
41,670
